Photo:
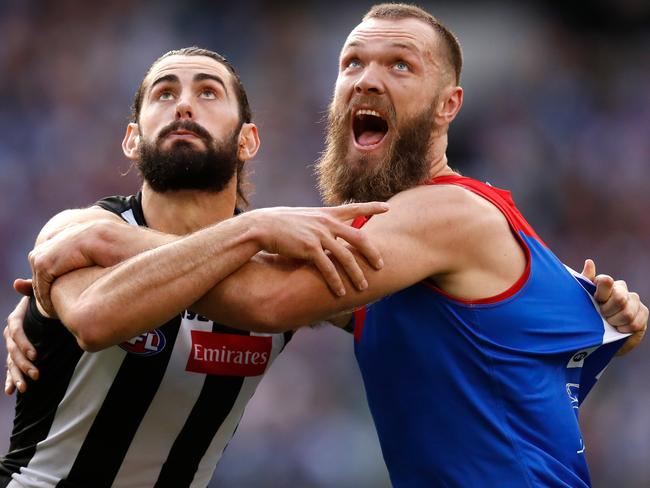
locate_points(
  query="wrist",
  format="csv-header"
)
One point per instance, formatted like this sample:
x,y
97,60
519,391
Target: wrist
x,y
254,228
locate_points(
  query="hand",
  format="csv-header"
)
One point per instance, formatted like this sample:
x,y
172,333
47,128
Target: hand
x,y
24,286
20,352
622,309
311,234
75,246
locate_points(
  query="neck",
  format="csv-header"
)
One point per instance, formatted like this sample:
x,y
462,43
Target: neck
x,y
439,165
185,211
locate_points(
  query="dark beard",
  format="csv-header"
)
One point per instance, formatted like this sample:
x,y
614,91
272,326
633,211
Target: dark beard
x,y
183,167
404,166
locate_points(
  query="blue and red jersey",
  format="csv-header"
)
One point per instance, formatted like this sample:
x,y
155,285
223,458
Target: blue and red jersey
x,y
485,393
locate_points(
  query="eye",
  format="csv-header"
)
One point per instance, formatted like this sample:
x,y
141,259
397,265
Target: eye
x,y
208,94
353,63
166,95
402,66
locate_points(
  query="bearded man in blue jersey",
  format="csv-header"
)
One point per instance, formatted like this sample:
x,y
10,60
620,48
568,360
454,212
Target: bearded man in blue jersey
x,y
479,344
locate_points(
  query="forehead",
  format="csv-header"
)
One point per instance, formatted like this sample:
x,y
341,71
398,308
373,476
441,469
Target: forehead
x,y
187,66
409,31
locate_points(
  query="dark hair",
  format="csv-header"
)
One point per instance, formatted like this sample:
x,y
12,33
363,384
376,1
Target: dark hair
x,y
245,113
405,11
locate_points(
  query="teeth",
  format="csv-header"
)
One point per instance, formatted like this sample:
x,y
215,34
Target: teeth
x,y
365,111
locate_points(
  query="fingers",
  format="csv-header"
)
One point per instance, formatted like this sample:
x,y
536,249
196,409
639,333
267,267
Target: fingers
x,y
353,210
10,387
19,348
349,263
329,272
14,379
589,269
617,299
604,287
359,240
641,325
43,279
16,333
24,287
631,342
624,319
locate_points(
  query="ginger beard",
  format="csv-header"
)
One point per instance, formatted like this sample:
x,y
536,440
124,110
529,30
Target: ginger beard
x,y
183,166
343,177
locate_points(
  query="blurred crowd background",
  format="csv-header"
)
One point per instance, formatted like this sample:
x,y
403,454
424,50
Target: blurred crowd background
x,y
557,109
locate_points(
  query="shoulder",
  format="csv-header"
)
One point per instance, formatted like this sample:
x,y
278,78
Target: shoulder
x,y
445,209
442,223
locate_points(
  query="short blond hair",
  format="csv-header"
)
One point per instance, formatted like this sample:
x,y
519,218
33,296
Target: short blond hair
x,y
407,11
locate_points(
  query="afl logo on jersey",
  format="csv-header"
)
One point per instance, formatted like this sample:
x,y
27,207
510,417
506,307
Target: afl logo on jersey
x,y
580,356
147,344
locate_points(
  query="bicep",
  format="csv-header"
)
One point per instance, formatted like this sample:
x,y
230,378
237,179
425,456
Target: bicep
x,y
268,295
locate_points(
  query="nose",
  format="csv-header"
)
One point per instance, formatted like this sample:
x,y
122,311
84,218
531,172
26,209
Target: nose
x,y
184,109
369,81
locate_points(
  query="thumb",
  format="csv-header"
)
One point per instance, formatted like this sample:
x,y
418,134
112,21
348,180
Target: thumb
x,y
589,270
24,287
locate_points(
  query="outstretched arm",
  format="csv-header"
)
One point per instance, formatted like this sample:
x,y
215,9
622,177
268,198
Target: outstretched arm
x,y
171,277
294,296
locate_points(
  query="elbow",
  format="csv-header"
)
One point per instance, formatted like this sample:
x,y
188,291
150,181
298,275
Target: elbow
x,y
90,343
88,329
271,314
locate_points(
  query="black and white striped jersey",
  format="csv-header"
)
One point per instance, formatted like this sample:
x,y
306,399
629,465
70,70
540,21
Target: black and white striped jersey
x,y
155,411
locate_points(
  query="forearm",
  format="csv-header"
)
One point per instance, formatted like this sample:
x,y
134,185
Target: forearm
x,y
267,297
106,307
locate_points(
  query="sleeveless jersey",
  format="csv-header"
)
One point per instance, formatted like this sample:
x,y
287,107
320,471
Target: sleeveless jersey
x,y
155,411
485,393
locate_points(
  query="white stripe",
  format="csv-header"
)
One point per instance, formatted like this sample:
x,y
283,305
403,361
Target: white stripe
x,y
227,429
74,416
129,217
171,406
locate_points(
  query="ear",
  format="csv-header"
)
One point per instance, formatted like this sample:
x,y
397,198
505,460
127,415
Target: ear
x,y
449,104
131,142
249,142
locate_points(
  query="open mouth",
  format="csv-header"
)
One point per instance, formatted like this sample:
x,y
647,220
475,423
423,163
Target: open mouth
x,y
369,128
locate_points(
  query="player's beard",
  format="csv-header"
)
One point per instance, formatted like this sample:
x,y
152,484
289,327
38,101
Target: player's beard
x,y
405,162
183,166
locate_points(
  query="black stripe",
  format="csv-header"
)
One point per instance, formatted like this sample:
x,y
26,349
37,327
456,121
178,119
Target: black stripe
x,y
58,355
119,417
213,405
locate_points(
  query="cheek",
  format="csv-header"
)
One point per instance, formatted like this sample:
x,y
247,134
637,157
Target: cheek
x,y
343,87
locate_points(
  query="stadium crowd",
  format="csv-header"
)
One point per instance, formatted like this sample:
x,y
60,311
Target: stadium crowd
x,y
545,89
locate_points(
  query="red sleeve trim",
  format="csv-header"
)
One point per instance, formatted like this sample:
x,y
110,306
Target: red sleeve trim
x,y
501,199
359,320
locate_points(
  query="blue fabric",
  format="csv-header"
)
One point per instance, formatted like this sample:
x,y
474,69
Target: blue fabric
x,y
485,395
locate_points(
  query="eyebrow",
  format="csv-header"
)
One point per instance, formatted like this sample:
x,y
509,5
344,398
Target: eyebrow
x,y
165,79
197,77
398,44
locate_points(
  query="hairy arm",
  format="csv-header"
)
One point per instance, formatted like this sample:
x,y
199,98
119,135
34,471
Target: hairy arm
x,y
415,241
81,238
164,280
153,286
